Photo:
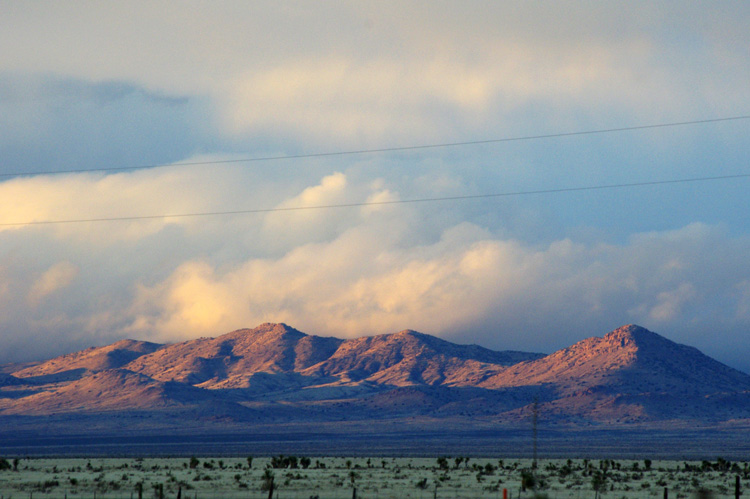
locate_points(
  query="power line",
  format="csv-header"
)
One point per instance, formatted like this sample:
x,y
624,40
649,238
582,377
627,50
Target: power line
x,y
377,203
382,149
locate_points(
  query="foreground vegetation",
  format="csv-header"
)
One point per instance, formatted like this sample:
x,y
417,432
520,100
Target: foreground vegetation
x,y
329,477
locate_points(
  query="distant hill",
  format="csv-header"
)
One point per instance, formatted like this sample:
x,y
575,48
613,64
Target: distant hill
x,y
274,373
632,374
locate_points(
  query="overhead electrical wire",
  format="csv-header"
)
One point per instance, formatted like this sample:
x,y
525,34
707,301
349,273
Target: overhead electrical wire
x,y
378,203
380,150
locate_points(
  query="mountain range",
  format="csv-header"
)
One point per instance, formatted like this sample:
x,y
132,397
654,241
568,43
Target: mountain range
x,y
276,374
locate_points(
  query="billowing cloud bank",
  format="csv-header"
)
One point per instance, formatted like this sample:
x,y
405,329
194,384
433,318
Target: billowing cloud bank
x,y
102,86
351,272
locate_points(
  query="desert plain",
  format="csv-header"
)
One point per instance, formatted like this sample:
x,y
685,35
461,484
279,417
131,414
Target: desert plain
x,y
299,477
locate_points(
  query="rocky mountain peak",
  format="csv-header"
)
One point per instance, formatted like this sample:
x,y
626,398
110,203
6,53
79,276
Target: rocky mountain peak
x,y
268,331
622,346
632,335
407,334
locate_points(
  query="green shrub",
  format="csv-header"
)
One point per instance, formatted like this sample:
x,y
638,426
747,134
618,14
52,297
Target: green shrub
x,y
267,480
527,480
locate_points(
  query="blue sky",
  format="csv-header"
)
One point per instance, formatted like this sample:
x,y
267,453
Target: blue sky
x,y
92,85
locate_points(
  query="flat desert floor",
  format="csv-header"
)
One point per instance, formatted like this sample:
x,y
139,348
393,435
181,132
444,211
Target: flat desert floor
x,y
338,477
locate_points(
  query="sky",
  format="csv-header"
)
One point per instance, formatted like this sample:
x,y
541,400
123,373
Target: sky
x,y
197,93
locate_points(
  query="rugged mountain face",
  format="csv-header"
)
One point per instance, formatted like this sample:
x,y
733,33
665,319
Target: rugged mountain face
x,y
234,360
412,358
91,360
629,359
229,361
630,374
276,373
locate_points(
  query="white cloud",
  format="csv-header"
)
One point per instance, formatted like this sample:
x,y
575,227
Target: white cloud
x,y
349,99
54,279
194,302
387,71
357,271
379,201
155,193
469,285
669,304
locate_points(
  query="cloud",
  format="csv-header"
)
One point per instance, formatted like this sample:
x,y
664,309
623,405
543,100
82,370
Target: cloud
x,y
389,71
670,303
349,272
390,99
469,285
153,194
358,271
58,124
349,99
54,279
379,200
101,85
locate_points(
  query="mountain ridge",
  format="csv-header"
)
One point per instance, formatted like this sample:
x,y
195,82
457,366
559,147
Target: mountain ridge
x,y
276,373
629,348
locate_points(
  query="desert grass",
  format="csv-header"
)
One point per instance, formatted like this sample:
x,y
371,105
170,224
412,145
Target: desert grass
x,y
300,477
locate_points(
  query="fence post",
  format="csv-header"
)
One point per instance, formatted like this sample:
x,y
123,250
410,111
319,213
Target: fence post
x,y
737,487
